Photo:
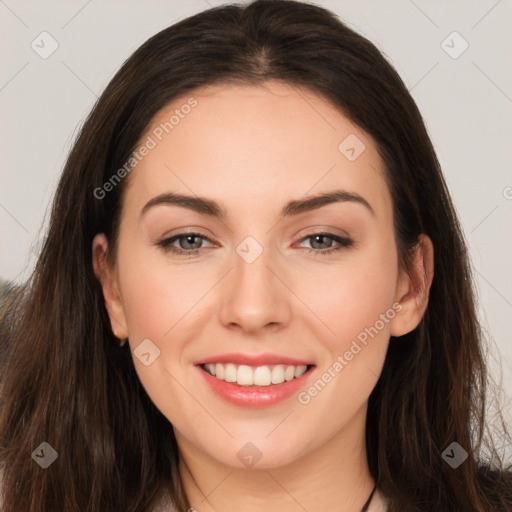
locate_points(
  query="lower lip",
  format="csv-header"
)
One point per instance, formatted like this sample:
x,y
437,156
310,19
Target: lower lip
x,y
255,397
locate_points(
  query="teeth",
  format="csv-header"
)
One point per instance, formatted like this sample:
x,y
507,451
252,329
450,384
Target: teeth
x,y
300,370
278,374
262,376
219,371
245,375
230,373
289,373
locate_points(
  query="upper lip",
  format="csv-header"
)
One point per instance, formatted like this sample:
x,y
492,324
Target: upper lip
x,y
254,359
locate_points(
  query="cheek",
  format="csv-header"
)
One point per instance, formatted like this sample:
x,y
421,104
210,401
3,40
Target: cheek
x,y
351,295
357,305
157,300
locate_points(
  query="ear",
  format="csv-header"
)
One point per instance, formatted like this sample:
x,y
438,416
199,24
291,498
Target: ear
x,y
106,277
413,288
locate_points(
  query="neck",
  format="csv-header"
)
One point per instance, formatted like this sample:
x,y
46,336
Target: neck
x,y
333,477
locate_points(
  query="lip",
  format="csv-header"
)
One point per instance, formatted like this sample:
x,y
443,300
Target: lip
x,y
254,397
254,360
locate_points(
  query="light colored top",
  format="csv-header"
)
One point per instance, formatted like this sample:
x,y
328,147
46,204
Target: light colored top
x,y
378,504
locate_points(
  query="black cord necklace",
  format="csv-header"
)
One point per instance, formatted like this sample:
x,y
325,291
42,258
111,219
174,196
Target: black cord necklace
x,y
367,504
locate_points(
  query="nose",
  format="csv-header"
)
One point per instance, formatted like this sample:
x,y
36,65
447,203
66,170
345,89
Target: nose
x,y
255,298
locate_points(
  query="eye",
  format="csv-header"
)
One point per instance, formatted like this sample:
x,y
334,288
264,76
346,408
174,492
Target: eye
x,y
189,243
317,240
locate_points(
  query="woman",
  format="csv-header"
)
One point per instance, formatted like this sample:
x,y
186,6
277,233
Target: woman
x,y
180,347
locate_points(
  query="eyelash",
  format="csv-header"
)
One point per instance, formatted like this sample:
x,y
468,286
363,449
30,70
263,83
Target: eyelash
x,y
344,243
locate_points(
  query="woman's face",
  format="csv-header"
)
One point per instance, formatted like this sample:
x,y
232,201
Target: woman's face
x,y
254,287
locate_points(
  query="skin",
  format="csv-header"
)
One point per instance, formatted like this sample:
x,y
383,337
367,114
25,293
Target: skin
x,y
253,149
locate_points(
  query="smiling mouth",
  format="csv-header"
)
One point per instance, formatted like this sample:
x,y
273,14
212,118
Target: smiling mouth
x,y
261,376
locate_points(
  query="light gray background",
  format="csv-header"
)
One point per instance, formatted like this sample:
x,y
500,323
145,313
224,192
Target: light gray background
x,y
466,102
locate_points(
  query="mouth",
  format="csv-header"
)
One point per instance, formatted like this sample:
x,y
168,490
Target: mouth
x,y
249,382
260,376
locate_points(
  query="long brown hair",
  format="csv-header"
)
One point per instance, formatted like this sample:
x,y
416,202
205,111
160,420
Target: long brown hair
x,y
66,382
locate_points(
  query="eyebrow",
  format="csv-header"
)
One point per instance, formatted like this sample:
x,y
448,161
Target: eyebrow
x,y
211,208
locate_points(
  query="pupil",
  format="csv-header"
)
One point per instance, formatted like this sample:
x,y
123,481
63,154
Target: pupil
x,y
188,240
320,239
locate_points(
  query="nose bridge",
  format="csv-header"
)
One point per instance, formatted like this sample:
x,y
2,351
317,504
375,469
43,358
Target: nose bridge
x,y
255,297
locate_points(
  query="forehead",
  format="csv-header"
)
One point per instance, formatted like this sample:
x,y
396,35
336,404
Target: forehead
x,y
255,141
255,113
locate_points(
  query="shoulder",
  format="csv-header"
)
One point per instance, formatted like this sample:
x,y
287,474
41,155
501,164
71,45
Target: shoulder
x,y
379,503
164,505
